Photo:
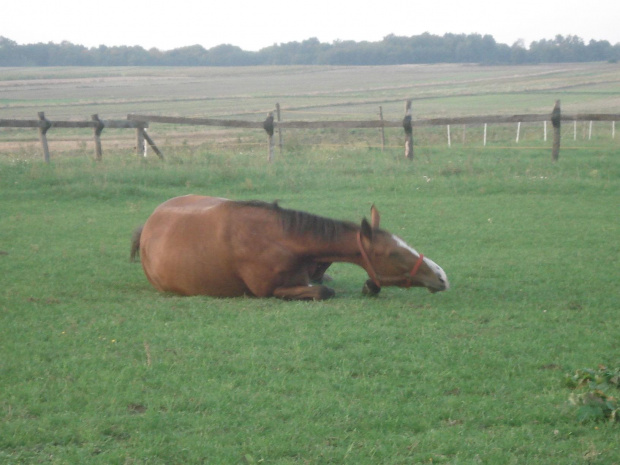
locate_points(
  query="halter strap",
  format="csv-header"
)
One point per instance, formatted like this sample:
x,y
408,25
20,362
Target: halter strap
x,y
416,267
371,269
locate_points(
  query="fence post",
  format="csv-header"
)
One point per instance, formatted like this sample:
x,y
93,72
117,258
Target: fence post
x,y
97,133
279,116
140,142
148,139
408,127
42,135
268,126
146,145
556,121
382,129
575,130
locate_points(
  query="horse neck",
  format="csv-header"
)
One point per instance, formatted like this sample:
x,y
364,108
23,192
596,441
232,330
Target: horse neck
x,y
344,248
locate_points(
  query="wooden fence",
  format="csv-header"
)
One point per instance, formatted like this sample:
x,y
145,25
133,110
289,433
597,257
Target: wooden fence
x,y
98,125
141,122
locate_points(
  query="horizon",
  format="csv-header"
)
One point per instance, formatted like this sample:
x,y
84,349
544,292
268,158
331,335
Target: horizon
x,y
522,43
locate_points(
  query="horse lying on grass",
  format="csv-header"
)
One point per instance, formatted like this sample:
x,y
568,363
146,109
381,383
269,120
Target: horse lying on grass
x,y
195,245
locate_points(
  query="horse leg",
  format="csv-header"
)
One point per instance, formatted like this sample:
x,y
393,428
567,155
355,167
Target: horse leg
x,y
316,271
304,293
370,288
292,284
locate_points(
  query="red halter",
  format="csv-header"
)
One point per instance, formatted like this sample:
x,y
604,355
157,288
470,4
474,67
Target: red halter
x,y
371,270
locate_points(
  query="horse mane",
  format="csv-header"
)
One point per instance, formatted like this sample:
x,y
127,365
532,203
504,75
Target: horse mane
x,y
300,223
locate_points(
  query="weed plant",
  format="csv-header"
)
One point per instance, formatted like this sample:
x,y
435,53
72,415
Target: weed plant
x,y
596,393
97,367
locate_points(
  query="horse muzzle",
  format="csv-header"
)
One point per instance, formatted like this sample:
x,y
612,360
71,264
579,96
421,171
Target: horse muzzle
x,y
439,282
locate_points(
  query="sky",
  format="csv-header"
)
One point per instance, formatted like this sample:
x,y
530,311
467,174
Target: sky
x,y
252,24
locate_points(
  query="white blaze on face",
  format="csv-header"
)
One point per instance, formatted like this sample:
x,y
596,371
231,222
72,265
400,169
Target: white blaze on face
x,y
404,245
438,271
431,264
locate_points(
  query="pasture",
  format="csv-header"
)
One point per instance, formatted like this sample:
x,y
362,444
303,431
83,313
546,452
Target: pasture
x,y
304,93
97,367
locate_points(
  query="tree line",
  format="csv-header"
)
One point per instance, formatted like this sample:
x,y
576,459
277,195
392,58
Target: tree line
x,y
392,50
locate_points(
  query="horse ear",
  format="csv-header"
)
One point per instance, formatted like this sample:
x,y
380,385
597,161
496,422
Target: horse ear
x,y
375,218
366,229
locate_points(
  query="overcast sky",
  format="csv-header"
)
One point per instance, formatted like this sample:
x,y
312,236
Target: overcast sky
x,y
252,25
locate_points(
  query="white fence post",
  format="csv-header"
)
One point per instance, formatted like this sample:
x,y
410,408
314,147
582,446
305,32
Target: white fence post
x,y
146,147
575,130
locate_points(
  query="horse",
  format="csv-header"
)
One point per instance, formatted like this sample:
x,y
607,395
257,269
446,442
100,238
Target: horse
x,y
198,245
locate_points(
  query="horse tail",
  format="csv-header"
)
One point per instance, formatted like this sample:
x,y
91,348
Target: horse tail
x,y
135,243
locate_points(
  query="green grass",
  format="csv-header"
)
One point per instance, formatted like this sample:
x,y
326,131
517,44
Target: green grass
x,y
98,367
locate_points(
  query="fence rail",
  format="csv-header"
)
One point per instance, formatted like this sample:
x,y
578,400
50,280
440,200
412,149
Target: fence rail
x,y
373,124
141,122
110,124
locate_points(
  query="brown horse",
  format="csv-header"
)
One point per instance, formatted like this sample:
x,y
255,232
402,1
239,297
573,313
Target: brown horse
x,y
195,245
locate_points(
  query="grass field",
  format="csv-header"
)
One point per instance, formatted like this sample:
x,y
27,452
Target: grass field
x,y
98,367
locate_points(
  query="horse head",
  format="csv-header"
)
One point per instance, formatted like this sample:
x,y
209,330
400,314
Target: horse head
x,y
390,261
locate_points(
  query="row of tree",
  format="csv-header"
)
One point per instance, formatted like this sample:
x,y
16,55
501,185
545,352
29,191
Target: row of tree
x,y
392,50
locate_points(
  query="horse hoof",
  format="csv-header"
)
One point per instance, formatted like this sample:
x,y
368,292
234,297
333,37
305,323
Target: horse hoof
x,y
370,288
326,293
